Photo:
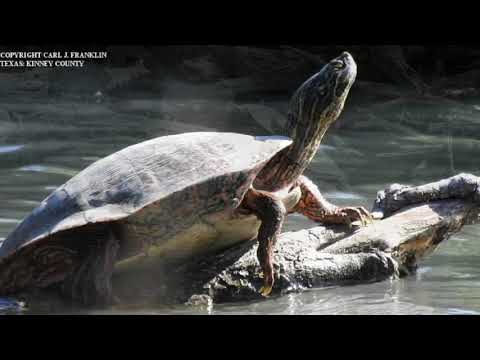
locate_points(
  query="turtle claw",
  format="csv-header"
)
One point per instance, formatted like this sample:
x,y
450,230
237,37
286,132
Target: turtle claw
x,y
356,225
366,216
357,217
377,215
267,287
265,290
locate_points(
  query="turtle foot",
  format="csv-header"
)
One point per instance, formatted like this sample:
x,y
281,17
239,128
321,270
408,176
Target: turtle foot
x,y
268,281
265,290
356,217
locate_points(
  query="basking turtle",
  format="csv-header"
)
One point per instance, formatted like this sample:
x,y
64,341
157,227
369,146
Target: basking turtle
x,y
180,196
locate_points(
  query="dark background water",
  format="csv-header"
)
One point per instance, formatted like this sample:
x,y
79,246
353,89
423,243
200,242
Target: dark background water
x,y
54,123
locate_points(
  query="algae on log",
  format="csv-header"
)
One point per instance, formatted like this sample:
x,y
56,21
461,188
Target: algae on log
x,y
323,255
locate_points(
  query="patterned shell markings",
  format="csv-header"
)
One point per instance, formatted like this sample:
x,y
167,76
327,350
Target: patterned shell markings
x,y
175,167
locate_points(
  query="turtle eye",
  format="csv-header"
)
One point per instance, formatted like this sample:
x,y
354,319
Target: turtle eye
x,y
337,64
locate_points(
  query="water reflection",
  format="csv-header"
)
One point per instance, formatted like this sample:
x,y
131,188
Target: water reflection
x,y
10,148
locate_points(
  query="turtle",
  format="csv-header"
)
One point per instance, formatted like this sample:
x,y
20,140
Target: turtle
x,y
182,196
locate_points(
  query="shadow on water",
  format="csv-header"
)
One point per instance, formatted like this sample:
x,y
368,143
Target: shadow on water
x,y
43,143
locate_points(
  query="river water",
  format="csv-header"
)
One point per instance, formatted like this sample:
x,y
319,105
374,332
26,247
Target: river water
x,y
44,141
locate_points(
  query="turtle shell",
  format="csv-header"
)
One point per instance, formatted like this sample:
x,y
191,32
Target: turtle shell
x,y
185,174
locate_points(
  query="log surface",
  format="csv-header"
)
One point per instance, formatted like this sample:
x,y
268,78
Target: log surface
x,y
321,256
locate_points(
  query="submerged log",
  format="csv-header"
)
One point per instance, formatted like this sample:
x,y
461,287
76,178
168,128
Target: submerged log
x,y
417,219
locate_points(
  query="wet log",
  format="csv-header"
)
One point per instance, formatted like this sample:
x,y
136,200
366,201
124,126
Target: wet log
x,y
416,220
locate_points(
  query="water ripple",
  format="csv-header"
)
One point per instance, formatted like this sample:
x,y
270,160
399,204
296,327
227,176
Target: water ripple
x,y
10,305
10,148
49,169
36,168
343,195
8,221
455,311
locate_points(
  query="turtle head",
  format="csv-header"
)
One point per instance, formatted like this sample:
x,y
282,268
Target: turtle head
x,y
314,107
319,100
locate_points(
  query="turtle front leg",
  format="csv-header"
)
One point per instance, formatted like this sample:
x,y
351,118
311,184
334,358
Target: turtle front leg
x,y
271,212
90,282
314,206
